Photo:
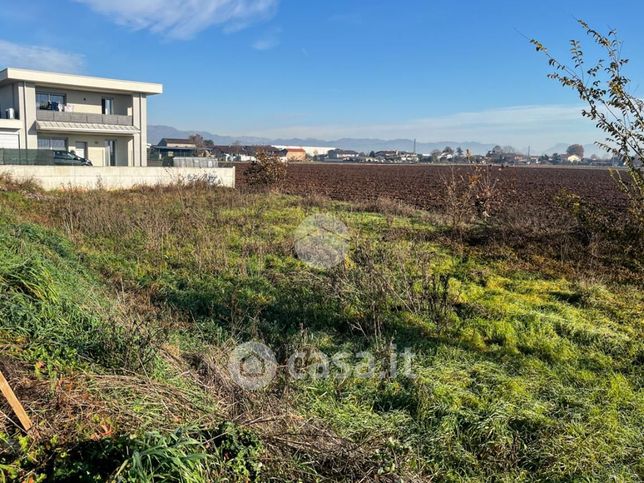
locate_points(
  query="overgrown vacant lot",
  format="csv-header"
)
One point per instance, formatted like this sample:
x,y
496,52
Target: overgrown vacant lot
x,y
118,312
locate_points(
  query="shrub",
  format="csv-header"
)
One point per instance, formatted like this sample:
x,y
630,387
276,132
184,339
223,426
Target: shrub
x,y
379,284
617,112
8,183
268,171
469,198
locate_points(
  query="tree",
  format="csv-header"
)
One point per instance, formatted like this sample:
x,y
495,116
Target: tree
x,y
197,139
448,150
200,144
603,87
459,152
576,150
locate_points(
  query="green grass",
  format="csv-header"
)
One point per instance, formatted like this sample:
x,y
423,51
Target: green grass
x,y
137,296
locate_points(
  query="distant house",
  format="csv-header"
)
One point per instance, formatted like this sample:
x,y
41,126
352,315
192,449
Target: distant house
x,y
245,154
173,148
573,158
343,155
311,151
295,154
499,155
386,156
177,143
395,157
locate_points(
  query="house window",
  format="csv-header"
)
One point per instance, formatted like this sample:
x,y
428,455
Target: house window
x,y
110,152
49,101
108,105
56,144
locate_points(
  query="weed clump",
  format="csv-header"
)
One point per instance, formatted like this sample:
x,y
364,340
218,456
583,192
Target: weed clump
x,y
188,455
266,172
377,286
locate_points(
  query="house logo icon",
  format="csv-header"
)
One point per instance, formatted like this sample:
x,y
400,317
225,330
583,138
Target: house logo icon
x,y
252,365
321,241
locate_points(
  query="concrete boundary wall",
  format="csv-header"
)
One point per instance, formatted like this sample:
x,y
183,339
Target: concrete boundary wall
x,y
115,177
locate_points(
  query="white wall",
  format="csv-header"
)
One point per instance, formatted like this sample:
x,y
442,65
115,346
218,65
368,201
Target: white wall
x,y
9,139
26,103
140,121
61,177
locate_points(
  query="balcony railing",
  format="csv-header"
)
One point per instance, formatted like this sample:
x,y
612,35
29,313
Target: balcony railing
x,y
81,117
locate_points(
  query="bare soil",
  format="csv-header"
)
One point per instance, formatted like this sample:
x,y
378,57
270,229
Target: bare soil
x,y
531,189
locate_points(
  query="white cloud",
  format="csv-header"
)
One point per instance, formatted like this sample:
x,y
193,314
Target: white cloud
x,y
182,19
539,126
39,57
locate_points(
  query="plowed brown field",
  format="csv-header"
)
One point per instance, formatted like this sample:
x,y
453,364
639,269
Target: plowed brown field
x,y
528,188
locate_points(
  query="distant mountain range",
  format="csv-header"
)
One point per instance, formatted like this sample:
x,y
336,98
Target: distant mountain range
x,y
156,133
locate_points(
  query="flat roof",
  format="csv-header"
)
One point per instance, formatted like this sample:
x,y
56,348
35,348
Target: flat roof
x,y
81,82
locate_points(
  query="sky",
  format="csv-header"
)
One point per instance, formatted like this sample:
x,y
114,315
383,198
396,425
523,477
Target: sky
x,y
435,70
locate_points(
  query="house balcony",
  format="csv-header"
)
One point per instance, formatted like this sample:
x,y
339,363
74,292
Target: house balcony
x,y
83,118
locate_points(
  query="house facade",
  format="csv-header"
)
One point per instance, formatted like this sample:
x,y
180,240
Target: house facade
x,y
343,155
103,120
169,148
295,154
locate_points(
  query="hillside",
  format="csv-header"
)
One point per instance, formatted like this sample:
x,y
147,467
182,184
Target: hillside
x,y
119,312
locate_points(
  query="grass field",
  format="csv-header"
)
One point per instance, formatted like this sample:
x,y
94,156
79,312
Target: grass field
x,y
118,311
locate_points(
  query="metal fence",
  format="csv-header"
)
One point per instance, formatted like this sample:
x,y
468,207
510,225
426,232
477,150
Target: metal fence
x,y
185,162
196,163
35,157
46,157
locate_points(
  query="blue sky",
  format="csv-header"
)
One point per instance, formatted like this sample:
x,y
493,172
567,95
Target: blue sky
x,y
436,70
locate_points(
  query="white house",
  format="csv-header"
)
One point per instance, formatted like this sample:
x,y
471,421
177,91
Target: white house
x,y
103,120
310,150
